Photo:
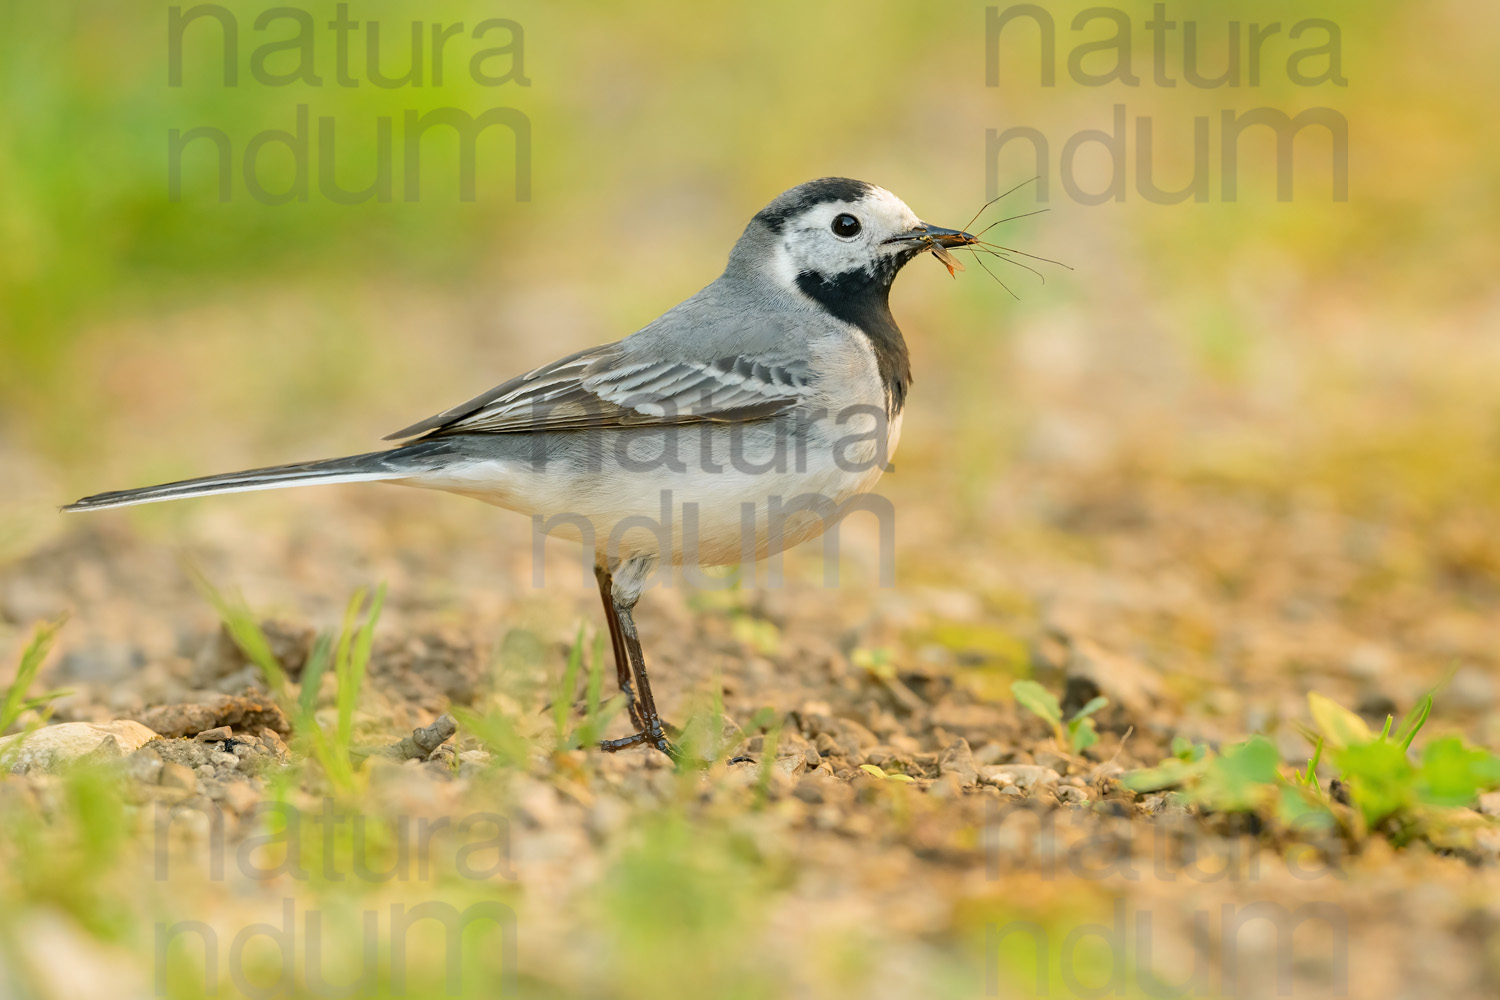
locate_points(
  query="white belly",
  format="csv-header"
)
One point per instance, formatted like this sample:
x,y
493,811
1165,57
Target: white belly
x,y
720,509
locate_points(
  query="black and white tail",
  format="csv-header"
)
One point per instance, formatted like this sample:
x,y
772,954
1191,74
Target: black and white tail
x,y
397,463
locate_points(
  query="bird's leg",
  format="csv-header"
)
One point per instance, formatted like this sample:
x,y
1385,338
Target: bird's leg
x,y
617,640
651,731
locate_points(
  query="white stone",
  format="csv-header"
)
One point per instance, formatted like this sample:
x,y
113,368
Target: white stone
x,y
1020,775
45,748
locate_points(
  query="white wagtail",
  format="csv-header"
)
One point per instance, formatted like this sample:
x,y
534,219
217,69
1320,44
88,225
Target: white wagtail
x,y
733,426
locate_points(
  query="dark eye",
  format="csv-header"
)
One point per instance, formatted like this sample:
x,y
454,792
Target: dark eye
x,y
845,226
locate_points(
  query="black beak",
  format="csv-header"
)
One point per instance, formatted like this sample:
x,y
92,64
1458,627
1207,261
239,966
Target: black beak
x,y
923,233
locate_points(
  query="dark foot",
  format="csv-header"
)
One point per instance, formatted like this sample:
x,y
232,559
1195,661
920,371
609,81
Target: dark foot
x,y
654,735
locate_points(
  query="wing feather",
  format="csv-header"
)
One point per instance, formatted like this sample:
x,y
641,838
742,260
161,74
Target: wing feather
x,y
607,387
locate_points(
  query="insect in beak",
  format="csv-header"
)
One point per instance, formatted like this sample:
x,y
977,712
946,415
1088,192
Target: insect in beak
x,y
949,261
937,240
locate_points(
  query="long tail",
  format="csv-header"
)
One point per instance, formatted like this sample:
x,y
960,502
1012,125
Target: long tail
x,y
397,463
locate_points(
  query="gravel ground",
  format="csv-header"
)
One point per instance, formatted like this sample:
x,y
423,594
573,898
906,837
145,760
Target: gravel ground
x,y
1005,866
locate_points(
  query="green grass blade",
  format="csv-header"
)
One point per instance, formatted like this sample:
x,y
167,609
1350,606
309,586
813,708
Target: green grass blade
x,y
356,661
1311,778
341,660
247,635
562,695
36,651
312,677
592,727
1415,720
497,731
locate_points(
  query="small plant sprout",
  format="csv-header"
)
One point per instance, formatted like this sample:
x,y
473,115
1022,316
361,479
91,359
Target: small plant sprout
x,y
562,691
1077,733
247,635
596,711
500,731
16,703
352,659
312,675
1385,783
348,655
1387,789
1415,720
1187,751
1242,778
1339,726
877,661
1310,779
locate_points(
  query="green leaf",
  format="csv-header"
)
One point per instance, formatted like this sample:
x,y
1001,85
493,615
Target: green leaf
x,y
1339,726
900,777
1242,778
1452,773
1094,705
1186,750
1037,699
1082,734
1381,780
1301,809
1171,773
872,769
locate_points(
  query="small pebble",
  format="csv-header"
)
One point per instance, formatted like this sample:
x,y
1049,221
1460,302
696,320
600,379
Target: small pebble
x,y
175,775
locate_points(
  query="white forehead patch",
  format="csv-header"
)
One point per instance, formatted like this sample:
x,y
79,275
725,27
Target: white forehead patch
x,y
889,209
881,214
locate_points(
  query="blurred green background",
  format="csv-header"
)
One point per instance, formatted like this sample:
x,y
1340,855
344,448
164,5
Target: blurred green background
x,y
1293,406
143,337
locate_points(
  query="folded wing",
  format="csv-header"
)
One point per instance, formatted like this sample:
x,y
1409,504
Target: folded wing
x,y
608,387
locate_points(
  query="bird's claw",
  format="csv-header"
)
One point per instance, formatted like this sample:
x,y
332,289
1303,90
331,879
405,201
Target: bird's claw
x,y
653,735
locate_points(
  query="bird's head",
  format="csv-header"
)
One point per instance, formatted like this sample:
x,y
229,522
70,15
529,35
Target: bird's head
x,y
838,231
